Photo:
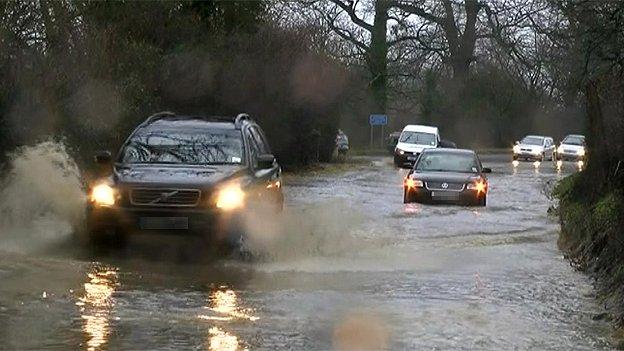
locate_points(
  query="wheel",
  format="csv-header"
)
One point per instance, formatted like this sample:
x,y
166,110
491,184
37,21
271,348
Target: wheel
x,y
110,236
482,201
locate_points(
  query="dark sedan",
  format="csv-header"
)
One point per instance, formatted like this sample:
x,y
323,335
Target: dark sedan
x,y
453,176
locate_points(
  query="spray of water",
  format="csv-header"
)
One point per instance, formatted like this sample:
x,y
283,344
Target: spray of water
x,y
321,229
41,199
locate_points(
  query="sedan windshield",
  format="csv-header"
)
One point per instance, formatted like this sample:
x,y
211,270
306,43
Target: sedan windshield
x,y
531,140
573,140
418,138
185,147
447,162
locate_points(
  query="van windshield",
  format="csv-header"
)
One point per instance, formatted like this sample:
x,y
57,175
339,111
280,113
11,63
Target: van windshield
x,y
419,138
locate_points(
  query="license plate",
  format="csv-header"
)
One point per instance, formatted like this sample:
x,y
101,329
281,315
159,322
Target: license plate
x,y
160,223
445,195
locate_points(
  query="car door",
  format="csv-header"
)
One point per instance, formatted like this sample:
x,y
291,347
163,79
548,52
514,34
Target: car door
x,y
266,180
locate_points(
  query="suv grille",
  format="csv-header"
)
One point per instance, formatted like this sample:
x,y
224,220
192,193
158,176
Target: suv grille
x,y
449,186
164,197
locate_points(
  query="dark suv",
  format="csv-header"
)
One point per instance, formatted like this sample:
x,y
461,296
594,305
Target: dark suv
x,y
193,173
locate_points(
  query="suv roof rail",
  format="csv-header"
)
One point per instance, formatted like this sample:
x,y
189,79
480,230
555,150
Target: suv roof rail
x,y
159,115
240,118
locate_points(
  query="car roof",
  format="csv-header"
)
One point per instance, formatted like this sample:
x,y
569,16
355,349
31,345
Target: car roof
x,y
190,123
575,135
420,128
443,150
170,120
535,136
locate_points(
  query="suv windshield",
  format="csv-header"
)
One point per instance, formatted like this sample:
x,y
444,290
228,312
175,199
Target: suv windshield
x,y
531,140
573,140
218,146
419,138
447,162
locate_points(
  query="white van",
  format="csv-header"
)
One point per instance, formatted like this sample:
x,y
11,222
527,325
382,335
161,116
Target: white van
x,y
414,138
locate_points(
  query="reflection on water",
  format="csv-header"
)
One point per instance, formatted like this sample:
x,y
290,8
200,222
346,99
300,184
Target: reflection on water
x,y
223,302
96,305
219,340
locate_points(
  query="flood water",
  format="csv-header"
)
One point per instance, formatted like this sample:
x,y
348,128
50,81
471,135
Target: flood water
x,y
350,266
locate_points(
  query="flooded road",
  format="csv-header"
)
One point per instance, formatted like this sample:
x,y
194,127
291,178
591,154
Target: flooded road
x,y
352,267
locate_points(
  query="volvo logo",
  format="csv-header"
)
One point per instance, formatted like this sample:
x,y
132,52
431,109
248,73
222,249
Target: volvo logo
x,y
444,185
164,197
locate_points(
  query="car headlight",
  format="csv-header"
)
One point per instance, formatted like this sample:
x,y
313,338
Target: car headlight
x,y
536,151
413,183
560,149
399,151
231,197
103,195
516,149
480,186
580,152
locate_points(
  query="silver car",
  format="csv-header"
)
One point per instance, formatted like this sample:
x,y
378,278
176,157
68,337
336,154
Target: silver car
x,y
534,148
572,148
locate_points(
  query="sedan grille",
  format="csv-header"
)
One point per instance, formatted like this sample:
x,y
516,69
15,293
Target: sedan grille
x,y
164,197
445,186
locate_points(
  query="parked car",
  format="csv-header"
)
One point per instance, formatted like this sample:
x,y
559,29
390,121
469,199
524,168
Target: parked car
x,y
534,148
186,173
447,176
572,148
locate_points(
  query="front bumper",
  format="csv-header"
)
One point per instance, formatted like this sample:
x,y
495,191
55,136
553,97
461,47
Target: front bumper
x,y
190,220
565,156
463,197
527,156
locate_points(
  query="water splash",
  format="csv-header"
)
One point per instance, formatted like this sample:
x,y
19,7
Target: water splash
x,y
41,199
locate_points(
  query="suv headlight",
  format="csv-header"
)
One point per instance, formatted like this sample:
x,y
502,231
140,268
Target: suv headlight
x,y
230,197
103,195
399,151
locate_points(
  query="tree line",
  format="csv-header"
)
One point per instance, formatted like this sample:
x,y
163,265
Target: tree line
x,y
486,72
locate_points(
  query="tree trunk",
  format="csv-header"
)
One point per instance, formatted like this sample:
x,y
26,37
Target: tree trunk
x,y
378,58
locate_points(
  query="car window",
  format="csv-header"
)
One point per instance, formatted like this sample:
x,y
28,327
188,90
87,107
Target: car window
x,y
447,162
531,140
254,148
218,146
573,140
260,140
419,138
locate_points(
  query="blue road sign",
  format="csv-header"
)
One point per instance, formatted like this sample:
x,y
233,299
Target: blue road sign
x,y
378,120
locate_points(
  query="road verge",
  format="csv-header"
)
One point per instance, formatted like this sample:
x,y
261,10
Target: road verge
x,y
591,237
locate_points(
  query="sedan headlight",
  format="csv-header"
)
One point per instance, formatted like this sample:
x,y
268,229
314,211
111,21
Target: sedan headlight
x,y
399,151
480,186
516,149
413,183
103,195
231,197
580,152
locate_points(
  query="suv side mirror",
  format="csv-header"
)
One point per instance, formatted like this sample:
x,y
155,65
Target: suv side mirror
x,y
103,157
486,170
266,161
